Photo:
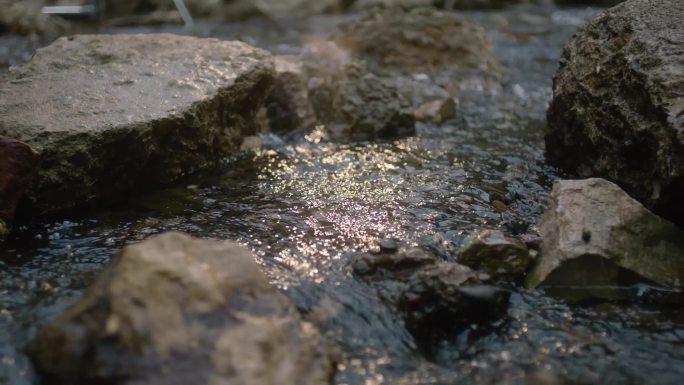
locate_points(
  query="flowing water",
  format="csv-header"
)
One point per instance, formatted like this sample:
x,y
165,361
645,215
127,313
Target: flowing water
x,y
303,205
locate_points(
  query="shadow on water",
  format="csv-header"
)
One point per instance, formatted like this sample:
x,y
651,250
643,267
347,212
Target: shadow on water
x,y
303,205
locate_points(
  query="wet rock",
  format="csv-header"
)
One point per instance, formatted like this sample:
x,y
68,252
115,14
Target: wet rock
x,y
288,106
24,17
435,298
124,113
178,310
355,105
366,4
491,252
594,234
618,99
389,261
18,162
420,39
445,297
436,111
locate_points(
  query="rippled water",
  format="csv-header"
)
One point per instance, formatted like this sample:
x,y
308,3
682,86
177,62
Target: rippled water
x,y
303,205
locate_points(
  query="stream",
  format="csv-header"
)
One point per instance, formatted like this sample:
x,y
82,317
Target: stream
x,y
304,205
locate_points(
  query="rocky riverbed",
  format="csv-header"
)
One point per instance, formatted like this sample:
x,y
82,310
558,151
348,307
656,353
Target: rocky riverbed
x,y
377,241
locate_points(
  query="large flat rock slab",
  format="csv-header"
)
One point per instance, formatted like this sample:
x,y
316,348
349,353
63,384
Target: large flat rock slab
x,y
618,106
112,115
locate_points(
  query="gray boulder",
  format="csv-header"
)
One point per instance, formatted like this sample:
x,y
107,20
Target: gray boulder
x,y
288,107
178,310
594,234
435,298
115,115
618,105
355,105
419,40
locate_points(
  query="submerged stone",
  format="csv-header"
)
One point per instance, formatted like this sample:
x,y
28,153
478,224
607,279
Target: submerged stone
x,y
618,105
594,234
491,252
120,114
179,310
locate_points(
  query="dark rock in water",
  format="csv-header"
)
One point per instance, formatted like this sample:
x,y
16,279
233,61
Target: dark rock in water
x,y
491,252
445,297
18,163
389,262
618,106
421,39
435,298
288,107
594,234
178,310
120,114
24,17
355,105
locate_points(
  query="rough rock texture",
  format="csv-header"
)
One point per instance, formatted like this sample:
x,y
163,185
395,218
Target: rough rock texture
x,y
491,252
434,297
593,233
288,105
178,310
18,162
419,39
437,111
355,105
618,106
123,113
24,17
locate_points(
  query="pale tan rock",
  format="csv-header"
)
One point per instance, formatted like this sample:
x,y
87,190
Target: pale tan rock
x,y
179,310
596,223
